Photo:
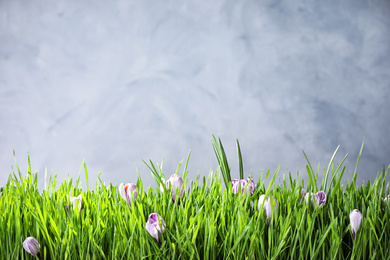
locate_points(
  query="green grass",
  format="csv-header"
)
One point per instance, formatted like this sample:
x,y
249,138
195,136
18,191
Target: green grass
x,y
210,223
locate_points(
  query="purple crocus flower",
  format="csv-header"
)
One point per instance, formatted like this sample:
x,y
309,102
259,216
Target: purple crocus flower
x,y
303,194
176,183
76,202
236,183
128,190
155,226
267,206
248,185
317,199
355,218
320,197
251,185
32,246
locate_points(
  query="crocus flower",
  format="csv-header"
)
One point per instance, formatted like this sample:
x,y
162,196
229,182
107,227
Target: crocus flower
x,y
237,183
76,201
303,194
320,197
267,207
356,218
176,183
386,200
128,190
249,185
155,226
32,246
317,199
161,186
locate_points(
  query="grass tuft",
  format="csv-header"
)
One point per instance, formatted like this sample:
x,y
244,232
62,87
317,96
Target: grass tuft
x,y
208,222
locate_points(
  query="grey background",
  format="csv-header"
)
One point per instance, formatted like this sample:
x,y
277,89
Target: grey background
x,y
115,82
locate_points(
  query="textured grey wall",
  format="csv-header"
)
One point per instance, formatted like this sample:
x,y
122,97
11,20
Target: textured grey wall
x,y
115,82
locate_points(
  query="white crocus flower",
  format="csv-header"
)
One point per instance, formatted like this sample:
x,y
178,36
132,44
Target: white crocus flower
x,y
356,218
267,206
32,246
76,202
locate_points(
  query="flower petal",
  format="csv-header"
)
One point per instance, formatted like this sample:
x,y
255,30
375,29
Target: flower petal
x,y
152,230
176,184
320,197
261,200
251,185
237,183
32,246
121,189
355,218
155,225
76,201
130,190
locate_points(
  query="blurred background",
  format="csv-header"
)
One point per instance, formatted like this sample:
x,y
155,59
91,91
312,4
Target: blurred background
x,y
117,82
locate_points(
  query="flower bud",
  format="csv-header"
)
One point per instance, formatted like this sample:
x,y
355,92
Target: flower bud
x,y
236,184
355,218
32,246
267,206
76,201
162,186
320,197
251,185
176,184
317,199
248,185
128,190
155,226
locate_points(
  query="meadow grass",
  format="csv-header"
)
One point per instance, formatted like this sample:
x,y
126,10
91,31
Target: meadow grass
x,y
211,222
